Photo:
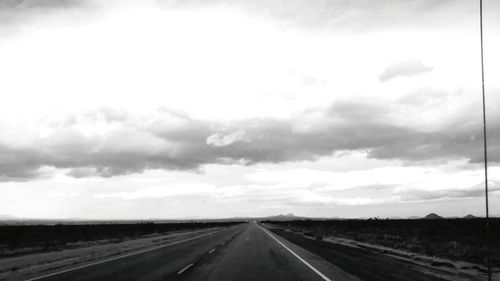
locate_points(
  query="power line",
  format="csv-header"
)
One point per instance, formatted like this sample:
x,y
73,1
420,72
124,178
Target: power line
x,y
485,144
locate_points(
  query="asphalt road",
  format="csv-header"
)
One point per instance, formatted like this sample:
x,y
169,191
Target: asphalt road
x,y
242,252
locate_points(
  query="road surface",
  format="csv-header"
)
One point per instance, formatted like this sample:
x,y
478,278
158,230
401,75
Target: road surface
x,y
245,252
242,252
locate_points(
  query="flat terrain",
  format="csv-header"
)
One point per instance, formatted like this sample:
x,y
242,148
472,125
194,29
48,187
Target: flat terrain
x,y
242,252
21,239
21,267
453,239
248,251
374,265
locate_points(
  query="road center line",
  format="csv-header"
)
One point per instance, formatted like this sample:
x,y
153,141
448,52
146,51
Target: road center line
x,y
125,255
297,256
184,269
211,251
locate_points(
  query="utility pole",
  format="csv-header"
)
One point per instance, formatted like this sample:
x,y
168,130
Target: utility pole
x,y
485,144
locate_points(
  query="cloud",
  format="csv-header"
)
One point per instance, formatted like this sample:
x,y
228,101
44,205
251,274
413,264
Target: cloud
x,y
162,191
220,139
404,69
36,4
344,201
321,14
18,164
15,12
347,15
402,196
107,143
446,194
294,196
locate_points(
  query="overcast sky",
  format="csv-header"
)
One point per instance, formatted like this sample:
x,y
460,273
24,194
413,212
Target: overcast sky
x,y
181,109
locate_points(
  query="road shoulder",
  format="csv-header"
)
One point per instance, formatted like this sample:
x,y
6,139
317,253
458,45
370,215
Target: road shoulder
x,y
330,270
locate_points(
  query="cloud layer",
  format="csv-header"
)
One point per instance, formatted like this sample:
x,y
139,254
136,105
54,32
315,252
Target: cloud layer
x,y
226,107
18,12
322,14
404,69
354,16
107,143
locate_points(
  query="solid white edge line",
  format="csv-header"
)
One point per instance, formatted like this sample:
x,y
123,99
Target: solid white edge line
x,y
184,269
297,256
123,256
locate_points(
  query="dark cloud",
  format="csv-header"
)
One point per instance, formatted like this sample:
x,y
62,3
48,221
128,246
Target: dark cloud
x,y
19,164
175,141
404,69
446,194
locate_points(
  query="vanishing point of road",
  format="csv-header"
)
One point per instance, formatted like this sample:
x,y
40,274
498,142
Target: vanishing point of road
x,y
247,252
241,252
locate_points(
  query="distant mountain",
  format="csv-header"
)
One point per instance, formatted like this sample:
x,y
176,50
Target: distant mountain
x,y
432,216
7,217
413,218
289,215
469,216
286,217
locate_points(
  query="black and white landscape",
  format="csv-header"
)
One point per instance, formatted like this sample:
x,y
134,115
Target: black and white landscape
x,y
161,139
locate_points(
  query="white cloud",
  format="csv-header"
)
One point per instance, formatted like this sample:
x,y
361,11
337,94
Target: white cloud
x,y
163,191
404,69
95,89
221,139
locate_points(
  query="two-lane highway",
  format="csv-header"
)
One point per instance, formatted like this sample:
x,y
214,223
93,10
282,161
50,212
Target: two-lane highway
x,y
241,252
255,254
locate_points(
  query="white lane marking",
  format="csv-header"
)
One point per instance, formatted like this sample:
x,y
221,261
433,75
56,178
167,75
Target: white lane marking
x,y
211,251
123,256
297,256
184,269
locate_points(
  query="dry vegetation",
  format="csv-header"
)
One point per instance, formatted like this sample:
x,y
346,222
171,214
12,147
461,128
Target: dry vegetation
x,y
33,250
455,239
25,239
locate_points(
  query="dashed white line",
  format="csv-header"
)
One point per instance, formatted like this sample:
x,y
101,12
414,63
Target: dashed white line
x,y
211,251
184,269
124,256
298,257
